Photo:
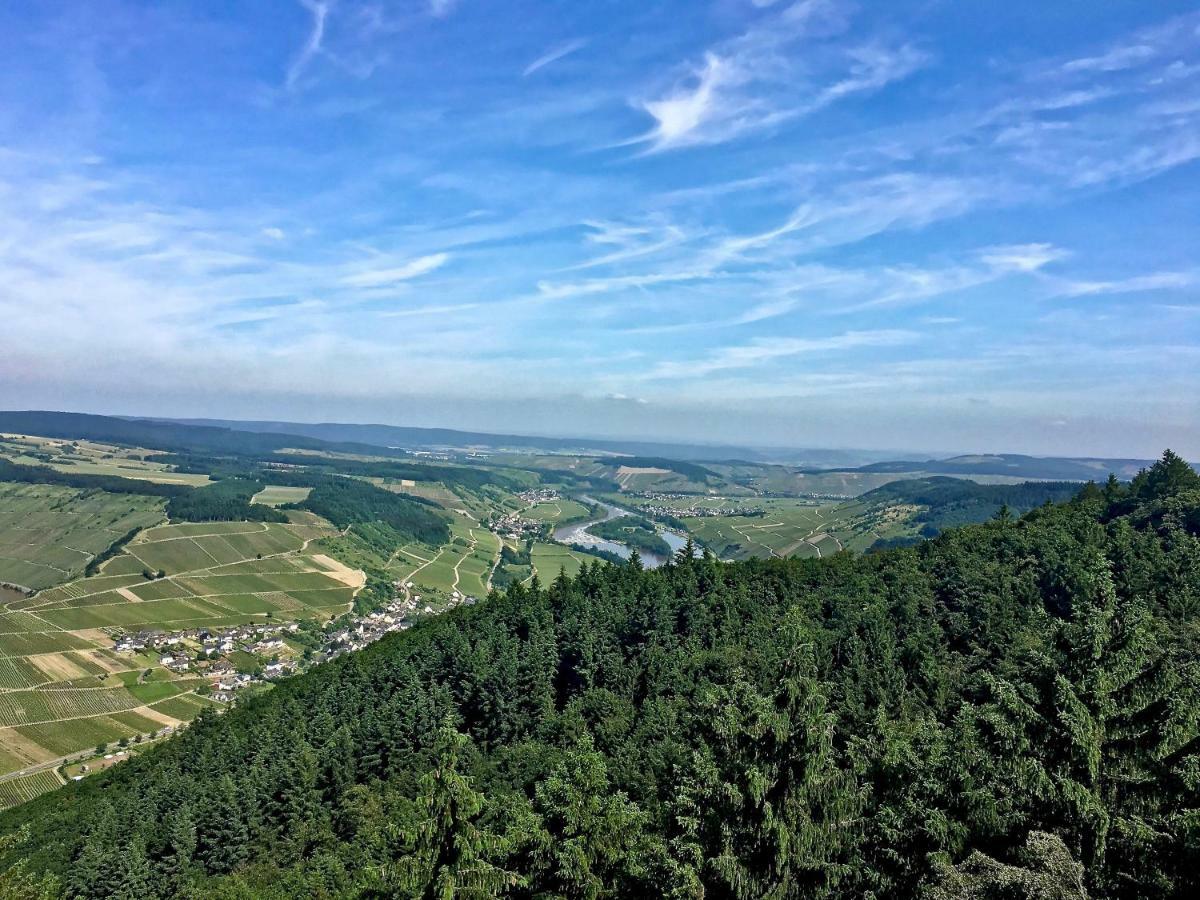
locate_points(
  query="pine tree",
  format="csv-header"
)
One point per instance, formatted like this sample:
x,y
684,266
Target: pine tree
x,y
446,853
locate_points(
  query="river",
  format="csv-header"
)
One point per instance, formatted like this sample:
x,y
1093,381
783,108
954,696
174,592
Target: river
x,y
578,533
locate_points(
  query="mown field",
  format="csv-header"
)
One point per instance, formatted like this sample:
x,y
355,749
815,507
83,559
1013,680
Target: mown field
x,y
278,495
63,689
48,534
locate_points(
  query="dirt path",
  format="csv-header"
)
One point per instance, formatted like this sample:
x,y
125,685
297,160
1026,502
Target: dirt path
x,y
470,550
495,562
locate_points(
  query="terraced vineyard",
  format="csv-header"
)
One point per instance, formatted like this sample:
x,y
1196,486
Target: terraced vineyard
x,y
64,690
48,534
786,526
464,564
15,791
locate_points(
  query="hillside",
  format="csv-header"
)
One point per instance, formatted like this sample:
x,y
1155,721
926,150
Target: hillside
x,y
1015,465
1008,710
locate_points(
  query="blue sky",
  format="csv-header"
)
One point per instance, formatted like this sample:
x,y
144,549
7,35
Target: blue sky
x,y
924,225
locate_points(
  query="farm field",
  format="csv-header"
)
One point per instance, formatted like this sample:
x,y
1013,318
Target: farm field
x,y
277,495
788,527
92,458
555,511
48,534
464,564
550,559
63,689
15,791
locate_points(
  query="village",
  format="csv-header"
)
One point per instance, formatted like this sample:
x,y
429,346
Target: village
x,y
695,511
515,527
243,656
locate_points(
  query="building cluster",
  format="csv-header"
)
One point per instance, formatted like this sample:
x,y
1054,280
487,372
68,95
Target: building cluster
x,y
205,651
511,526
694,511
538,495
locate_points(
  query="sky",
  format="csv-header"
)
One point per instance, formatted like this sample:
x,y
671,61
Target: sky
x,y
924,225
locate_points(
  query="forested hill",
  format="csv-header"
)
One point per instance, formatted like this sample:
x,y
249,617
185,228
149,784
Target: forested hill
x,y
1009,710
950,502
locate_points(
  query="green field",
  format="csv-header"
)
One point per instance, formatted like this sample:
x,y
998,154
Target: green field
x,y
464,564
48,534
277,495
92,458
787,527
556,511
550,559
15,791
63,690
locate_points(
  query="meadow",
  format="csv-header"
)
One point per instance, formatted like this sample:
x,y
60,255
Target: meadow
x,y
278,495
550,559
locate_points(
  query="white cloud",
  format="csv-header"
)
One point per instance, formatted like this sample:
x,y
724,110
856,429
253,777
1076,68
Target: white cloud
x,y
553,55
1156,281
373,278
1117,58
873,67
275,234
1022,257
312,45
441,8
681,114
764,350
763,78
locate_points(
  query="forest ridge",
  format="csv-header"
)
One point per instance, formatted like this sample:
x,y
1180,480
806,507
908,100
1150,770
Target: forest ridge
x,y
1008,710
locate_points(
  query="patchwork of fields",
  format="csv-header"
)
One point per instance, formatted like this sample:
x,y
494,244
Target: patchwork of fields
x,y
92,458
464,564
64,690
48,534
787,526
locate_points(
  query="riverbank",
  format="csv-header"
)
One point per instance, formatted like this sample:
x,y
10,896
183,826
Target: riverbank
x,y
578,533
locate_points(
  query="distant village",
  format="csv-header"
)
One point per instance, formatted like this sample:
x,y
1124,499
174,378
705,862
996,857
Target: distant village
x,y
513,526
234,658
694,511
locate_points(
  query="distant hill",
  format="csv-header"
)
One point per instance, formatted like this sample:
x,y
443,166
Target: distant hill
x,y
449,438
1018,466
162,434
946,502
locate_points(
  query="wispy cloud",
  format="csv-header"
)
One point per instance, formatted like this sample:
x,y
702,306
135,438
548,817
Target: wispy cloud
x,y
312,44
374,278
553,55
757,81
1155,281
1123,57
764,350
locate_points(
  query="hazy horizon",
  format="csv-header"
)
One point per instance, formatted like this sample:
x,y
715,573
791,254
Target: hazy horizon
x,y
780,224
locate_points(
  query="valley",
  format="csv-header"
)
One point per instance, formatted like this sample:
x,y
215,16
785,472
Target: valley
x,y
124,621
